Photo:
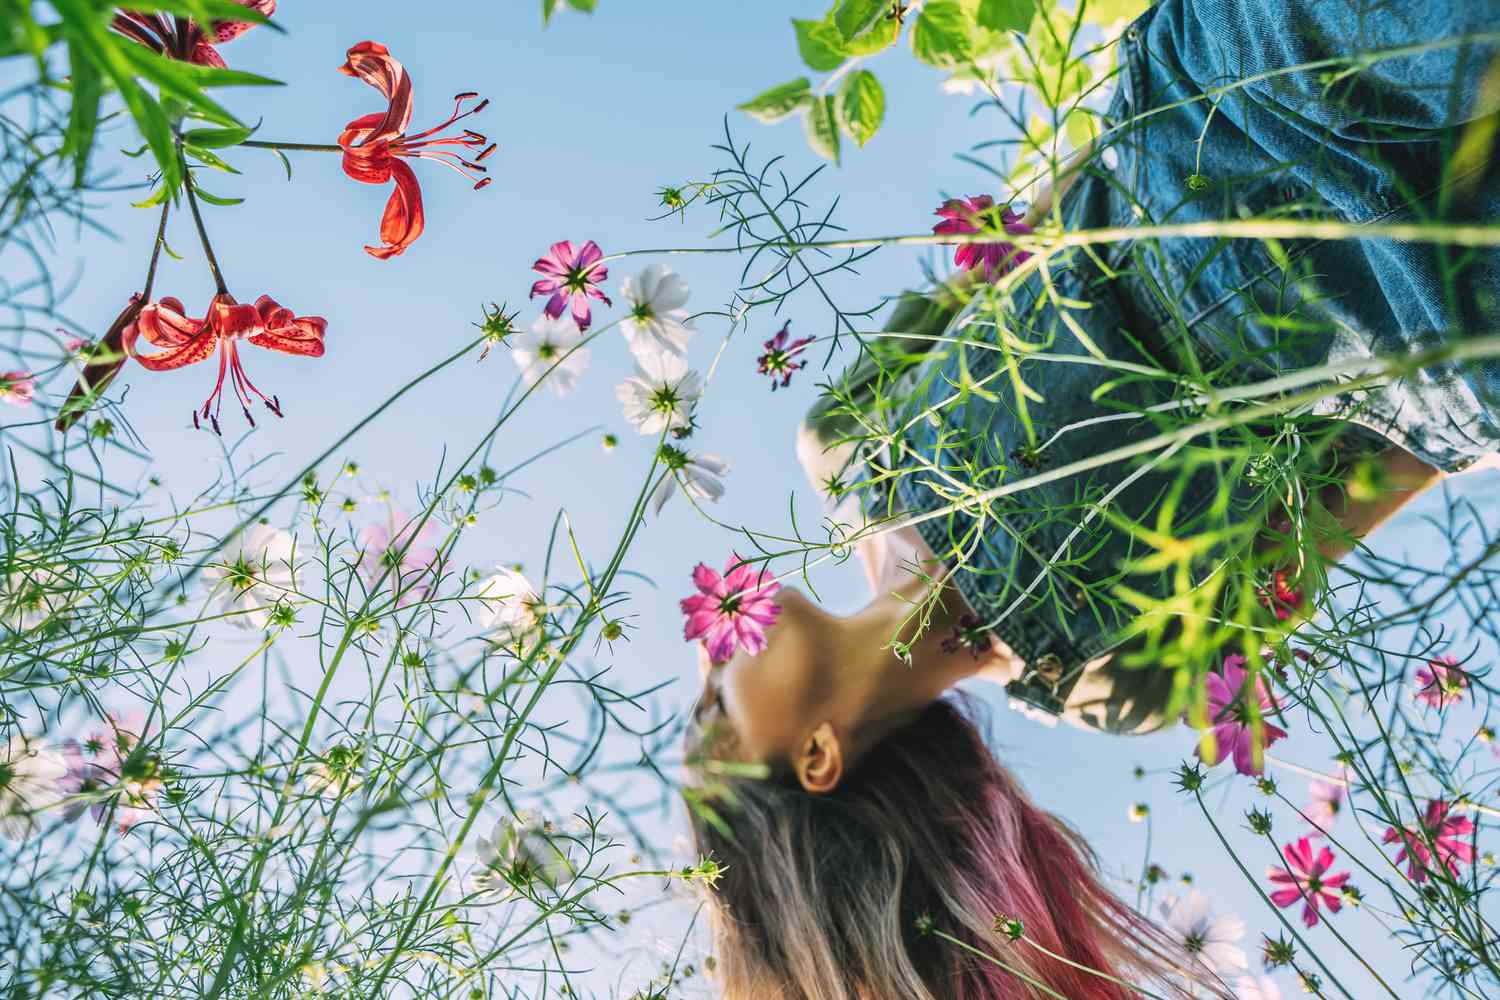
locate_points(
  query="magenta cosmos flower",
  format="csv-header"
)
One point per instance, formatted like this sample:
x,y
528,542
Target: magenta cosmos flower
x,y
571,275
730,611
1229,718
1307,881
1437,830
1441,683
107,761
979,214
780,360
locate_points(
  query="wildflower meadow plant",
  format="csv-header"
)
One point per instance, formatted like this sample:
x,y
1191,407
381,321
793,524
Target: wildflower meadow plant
x,y
377,699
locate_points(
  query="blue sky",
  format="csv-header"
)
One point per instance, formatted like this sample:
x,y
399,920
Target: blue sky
x,y
591,116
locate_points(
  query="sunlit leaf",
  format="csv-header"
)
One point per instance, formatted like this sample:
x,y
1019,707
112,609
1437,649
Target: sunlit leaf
x,y
854,17
861,106
83,115
944,34
820,45
779,102
820,126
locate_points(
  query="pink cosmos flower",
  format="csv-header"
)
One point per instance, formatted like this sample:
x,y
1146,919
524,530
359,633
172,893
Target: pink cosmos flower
x,y
778,361
180,38
17,388
1306,880
571,275
1437,830
409,554
978,214
1229,719
105,761
730,611
376,146
1327,802
1441,683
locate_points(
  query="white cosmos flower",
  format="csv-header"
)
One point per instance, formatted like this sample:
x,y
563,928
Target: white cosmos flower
x,y
1189,920
509,605
521,853
546,343
32,596
655,319
257,571
701,476
1259,988
30,781
661,394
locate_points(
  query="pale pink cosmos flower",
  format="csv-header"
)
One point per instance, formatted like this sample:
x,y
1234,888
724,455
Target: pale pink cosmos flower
x,y
1306,880
1229,720
104,763
409,553
1257,988
17,388
978,214
730,611
571,276
1437,831
1441,683
1326,802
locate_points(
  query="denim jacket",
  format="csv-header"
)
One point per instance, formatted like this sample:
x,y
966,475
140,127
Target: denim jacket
x,y
1186,142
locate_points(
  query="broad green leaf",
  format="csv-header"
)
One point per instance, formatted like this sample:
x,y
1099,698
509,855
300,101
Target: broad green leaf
x,y
1006,15
855,17
216,138
944,34
1112,11
1080,127
214,199
549,7
822,130
83,114
208,159
820,45
882,36
587,6
779,102
861,106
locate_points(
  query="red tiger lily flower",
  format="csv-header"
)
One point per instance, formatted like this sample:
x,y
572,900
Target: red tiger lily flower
x,y
375,144
186,341
180,38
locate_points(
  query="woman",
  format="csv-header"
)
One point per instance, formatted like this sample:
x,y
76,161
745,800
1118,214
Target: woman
x,y
883,850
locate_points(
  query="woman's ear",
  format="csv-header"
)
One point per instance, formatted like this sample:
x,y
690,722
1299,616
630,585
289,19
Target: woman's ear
x,y
820,761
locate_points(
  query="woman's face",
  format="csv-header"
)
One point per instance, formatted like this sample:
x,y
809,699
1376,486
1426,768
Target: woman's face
x,y
759,709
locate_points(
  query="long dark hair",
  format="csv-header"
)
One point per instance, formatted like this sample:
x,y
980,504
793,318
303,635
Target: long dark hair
x,y
860,894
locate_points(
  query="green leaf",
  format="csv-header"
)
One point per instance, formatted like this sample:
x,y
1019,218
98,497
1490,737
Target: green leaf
x,y
208,159
549,7
882,36
1005,15
855,17
944,34
285,163
83,115
586,6
156,198
214,199
779,102
861,106
820,45
821,129
216,138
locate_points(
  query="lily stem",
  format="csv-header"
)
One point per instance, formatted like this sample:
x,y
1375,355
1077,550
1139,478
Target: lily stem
x,y
161,239
208,250
304,147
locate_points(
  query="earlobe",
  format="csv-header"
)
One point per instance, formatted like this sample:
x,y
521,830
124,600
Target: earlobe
x,y
820,763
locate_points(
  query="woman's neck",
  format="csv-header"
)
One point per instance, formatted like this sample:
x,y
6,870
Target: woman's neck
x,y
883,689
